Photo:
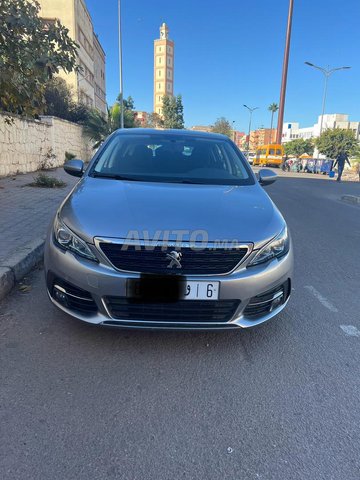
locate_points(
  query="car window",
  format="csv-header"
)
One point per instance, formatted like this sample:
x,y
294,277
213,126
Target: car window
x,y
173,158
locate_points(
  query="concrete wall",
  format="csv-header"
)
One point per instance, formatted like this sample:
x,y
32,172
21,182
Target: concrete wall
x,y
25,144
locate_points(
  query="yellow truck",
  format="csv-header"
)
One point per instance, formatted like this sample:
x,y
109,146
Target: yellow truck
x,y
270,155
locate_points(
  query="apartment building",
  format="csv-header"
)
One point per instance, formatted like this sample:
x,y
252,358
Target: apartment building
x,y
88,85
292,130
262,136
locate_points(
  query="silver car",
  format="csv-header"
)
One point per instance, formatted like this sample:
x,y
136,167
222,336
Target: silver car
x,y
169,230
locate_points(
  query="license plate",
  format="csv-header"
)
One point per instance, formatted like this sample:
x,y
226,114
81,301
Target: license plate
x,y
155,288
201,291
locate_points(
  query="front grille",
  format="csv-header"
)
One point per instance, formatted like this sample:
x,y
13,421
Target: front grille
x,y
206,261
75,298
263,304
181,311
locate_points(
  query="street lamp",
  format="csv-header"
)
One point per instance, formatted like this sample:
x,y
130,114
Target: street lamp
x,y
233,129
120,68
251,110
327,73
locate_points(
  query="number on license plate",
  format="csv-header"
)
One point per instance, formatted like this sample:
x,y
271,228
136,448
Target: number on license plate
x,y
201,291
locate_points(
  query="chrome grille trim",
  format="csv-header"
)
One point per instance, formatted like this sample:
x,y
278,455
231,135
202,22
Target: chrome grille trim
x,y
175,245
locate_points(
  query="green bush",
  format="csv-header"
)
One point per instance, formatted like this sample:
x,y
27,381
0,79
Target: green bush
x,y
44,181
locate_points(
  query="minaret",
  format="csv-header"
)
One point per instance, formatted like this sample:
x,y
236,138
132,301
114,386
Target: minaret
x,y
163,68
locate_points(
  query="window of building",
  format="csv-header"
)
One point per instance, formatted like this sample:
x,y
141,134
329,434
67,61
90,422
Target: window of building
x,y
169,87
272,151
84,42
47,22
159,98
159,59
159,110
169,61
159,73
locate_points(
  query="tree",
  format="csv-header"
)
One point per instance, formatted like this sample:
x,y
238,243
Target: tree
x,y
273,108
173,112
129,112
98,128
179,112
59,101
31,52
153,120
333,143
222,125
298,147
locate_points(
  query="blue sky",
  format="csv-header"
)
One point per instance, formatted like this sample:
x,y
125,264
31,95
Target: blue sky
x,y
230,52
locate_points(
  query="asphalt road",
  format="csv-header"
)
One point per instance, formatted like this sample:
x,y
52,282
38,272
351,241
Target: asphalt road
x,y
277,402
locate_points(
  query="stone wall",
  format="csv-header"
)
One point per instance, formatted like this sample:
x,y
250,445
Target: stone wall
x,y
27,145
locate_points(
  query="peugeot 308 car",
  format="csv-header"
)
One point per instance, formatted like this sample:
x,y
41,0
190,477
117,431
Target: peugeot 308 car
x,y
169,230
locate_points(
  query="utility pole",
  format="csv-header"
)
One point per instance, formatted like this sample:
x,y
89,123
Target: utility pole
x,y
120,68
284,74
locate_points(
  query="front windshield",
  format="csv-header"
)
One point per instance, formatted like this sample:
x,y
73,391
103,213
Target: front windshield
x,y
173,158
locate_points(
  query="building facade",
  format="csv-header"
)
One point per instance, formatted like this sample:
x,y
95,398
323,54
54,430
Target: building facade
x,y
292,130
99,76
88,85
141,117
202,128
262,136
163,68
239,138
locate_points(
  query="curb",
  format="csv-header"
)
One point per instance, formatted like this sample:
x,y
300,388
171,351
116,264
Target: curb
x,y
19,264
354,199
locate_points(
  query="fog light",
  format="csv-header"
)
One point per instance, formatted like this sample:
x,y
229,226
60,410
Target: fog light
x,y
60,296
277,302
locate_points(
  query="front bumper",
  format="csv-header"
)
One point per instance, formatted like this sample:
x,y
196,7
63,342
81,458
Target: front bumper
x,y
101,282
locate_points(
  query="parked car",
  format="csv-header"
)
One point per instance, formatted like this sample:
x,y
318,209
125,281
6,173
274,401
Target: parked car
x,y
169,229
250,157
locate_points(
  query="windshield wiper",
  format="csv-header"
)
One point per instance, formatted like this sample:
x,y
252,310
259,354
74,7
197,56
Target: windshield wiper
x,y
113,176
190,182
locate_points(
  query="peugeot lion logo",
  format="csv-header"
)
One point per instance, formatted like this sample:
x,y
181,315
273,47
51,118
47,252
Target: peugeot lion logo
x,y
175,258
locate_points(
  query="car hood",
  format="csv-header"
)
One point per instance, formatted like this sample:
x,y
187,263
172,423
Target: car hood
x,y
113,208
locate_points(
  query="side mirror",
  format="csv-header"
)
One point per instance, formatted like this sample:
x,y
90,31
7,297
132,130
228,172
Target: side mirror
x,y
74,167
266,177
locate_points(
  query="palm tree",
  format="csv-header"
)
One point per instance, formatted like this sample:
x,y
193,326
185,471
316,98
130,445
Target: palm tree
x,y
273,108
97,127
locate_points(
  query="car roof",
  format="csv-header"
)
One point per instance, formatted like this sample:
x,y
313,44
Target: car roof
x,y
172,132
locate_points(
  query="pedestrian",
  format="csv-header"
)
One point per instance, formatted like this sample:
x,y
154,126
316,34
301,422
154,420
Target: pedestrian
x,y
340,162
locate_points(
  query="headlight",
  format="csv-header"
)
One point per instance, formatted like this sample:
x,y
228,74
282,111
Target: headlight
x,y
275,249
67,239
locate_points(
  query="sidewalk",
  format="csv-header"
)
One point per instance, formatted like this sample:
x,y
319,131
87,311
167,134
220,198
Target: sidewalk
x,y
25,213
